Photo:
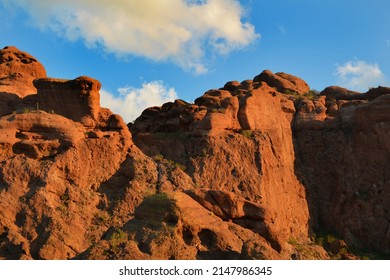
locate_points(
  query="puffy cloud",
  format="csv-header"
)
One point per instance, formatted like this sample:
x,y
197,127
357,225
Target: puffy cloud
x,y
185,32
359,75
132,101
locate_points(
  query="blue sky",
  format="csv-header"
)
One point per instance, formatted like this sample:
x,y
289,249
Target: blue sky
x,y
151,51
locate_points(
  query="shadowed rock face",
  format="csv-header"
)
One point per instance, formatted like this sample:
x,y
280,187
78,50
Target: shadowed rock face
x,y
342,144
249,171
77,99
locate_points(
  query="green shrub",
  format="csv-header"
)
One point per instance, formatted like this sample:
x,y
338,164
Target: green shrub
x,y
312,94
170,162
181,166
117,238
290,92
102,217
158,157
247,133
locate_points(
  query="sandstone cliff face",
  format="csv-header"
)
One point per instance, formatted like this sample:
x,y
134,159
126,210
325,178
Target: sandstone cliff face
x,y
51,168
236,139
249,171
326,151
344,156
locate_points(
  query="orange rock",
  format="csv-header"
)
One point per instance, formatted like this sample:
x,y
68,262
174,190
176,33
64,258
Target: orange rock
x,y
337,93
77,99
18,69
247,172
255,123
282,82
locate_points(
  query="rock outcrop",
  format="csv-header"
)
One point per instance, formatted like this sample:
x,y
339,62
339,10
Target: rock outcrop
x,y
283,82
18,69
330,145
259,169
343,156
236,140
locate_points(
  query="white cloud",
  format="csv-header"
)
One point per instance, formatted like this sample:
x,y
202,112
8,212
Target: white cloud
x,y
185,32
130,102
359,75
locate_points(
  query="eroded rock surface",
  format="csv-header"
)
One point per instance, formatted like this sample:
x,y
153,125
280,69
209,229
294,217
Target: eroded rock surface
x,y
343,146
18,69
258,169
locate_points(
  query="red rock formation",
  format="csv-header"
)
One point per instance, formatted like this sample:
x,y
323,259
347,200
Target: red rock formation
x,y
342,150
249,171
283,82
77,99
247,148
8,103
18,69
314,144
49,168
174,226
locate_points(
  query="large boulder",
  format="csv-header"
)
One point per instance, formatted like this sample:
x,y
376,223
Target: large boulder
x,y
283,82
18,69
340,93
77,99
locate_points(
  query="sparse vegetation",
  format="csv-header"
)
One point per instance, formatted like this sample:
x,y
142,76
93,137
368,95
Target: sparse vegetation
x,y
305,250
327,240
102,217
157,198
158,209
158,157
180,166
64,198
217,110
63,210
311,94
323,238
29,109
290,92
118,237
201,154
247,133
170,162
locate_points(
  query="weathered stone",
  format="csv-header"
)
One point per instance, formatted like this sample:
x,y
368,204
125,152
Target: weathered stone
x,y
283,82
18,69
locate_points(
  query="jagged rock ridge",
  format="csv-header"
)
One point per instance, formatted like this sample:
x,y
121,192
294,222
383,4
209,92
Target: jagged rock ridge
x,y
249,171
